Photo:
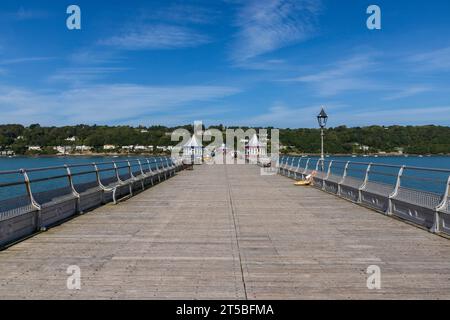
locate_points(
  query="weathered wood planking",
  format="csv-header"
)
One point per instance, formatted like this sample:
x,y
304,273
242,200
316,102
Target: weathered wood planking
x,y
225,232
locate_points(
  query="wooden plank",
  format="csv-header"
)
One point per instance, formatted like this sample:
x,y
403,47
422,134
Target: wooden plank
x,y
226,232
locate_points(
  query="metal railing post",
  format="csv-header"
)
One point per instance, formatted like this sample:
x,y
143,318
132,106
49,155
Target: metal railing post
x,y
328,174
306,168
289,167
366,179
329,170
142,173
116,170
395,192
130,171
164,168
99,181
159,171
441,207
97,174
344,174
151,171
69,176
298,168
283,165
33,202
75,193
28,187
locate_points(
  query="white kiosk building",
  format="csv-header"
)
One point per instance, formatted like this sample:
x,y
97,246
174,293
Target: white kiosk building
x,y
193,150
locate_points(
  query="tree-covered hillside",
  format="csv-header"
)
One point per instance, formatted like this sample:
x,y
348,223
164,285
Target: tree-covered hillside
x,y
410,139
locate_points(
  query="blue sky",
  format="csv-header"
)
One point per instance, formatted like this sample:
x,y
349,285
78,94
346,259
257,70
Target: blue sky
x,y
249,62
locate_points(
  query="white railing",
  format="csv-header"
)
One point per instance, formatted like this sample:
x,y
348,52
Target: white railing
x,y
419,195
35,199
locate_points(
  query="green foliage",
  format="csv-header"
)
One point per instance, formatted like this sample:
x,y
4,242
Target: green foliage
x,y
339,140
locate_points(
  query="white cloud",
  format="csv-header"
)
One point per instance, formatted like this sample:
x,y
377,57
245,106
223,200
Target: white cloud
x,y
409,92
284,116
342,76
23,14
437,60
184,13
80,75
267,25
152,37
104,103
24,60
396,116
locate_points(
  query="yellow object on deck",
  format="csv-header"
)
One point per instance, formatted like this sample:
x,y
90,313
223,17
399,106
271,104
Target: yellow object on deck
x,y
303,183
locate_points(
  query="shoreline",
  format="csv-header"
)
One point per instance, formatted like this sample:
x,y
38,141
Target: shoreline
x,y
76,155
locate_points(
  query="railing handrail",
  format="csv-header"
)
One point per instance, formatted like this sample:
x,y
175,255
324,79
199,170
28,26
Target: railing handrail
x,y
63,166
380,164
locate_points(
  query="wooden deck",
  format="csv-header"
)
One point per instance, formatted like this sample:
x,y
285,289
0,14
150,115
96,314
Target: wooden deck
x,y
226,232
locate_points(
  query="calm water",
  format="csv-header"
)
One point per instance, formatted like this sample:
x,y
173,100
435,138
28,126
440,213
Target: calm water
x,y
442,162
422,180
433,181
8,164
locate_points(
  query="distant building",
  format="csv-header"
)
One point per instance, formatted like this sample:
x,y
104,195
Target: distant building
x,y
34,148
60,149
109,147
140,148
254,149
193,149
83,148
144,131
357,146
72,139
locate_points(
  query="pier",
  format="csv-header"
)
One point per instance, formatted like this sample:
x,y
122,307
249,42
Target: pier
x,y
228,232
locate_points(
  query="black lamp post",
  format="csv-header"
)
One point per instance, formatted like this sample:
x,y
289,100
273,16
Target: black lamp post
x,y
322,118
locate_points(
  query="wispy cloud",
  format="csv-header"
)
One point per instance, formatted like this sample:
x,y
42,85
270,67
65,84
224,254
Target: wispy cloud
x,y
104,103
80,75
437,60
280,115
342,76
23,14
409,92
94,56
153,37
24,60
267,25
284,116
184,13
422,115
267,64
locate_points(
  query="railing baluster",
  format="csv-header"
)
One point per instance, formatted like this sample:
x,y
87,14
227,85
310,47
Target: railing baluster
x,y
344,174
441,207
395,192
366,179
306,168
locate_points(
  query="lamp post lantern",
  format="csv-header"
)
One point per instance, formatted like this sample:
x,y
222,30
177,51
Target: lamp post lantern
x,y
322,118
